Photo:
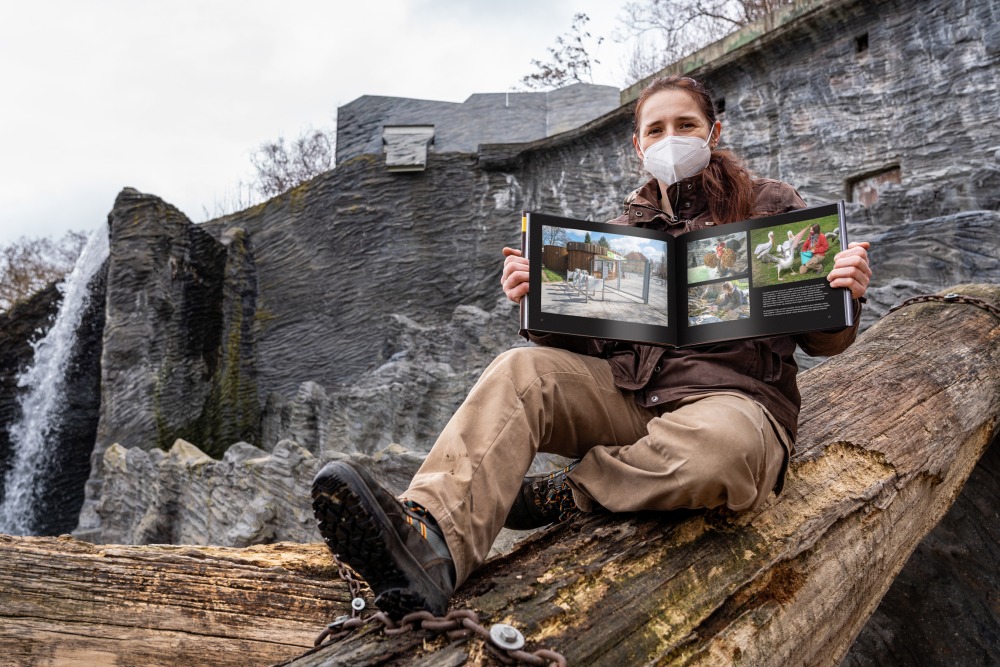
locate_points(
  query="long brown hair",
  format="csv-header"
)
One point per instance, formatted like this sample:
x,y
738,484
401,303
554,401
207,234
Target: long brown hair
x,y
725,180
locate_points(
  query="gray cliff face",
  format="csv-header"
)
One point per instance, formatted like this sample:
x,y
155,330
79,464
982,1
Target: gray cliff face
x,y
338,253
178,344
925,256
254,496
406,400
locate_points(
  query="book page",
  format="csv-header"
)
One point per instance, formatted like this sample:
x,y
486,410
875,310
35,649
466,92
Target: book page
x,y
600,280
764,277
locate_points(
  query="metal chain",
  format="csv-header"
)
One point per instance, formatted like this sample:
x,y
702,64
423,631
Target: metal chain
x,y
950,298
458,624
345,625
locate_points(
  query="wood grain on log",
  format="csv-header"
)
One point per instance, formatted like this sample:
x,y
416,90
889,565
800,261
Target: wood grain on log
x,y
65,602
890,431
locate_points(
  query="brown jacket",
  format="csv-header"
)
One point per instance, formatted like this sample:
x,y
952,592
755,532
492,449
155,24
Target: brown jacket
x,y
762,368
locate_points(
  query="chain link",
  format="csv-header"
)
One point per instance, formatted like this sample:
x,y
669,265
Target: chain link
x,y
353,584
458,624
950,298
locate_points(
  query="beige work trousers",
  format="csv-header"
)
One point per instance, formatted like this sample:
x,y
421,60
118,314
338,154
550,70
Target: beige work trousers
x,y
703,451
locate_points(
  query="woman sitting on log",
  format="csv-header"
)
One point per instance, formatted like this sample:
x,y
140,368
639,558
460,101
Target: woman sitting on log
x,y
652,428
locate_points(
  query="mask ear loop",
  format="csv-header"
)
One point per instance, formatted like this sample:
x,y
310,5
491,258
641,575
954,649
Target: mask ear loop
x,y
712,146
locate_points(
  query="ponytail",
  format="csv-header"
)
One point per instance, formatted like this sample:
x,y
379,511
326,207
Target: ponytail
x,y
729,187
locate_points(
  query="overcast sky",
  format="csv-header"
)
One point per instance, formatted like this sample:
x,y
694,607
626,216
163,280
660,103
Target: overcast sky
x,y
171,98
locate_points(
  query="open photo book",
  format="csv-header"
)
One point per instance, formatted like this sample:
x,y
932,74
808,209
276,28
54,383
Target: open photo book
x,y
759,277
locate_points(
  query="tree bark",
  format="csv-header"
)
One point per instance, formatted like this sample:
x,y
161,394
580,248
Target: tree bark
x,y
889,432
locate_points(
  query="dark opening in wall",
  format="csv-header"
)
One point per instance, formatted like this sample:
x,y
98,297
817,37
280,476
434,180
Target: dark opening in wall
x,y
861,43
864,188
720,105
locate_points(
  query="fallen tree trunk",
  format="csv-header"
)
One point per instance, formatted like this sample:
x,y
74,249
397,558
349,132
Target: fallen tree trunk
x,y
890,431
65,602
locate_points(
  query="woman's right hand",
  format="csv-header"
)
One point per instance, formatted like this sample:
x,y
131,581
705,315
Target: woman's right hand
x,y
515,274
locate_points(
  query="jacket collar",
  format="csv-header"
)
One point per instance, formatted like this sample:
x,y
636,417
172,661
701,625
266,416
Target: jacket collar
x,y
687,198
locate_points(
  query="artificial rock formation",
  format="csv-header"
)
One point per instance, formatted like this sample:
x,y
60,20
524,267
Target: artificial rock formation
x,y
180,311
426,372
183,496
390,416
70,435
178,343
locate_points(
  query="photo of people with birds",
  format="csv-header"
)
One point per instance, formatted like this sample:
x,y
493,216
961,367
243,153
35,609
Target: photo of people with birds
x,y
790,253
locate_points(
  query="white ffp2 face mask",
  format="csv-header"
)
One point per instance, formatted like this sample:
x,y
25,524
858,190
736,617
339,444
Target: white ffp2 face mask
x,y
673,159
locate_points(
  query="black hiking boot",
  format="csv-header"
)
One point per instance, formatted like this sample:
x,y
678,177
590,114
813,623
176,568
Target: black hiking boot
x,y
543,499
397,548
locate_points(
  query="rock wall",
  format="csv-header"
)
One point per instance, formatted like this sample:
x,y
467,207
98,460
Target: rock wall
x,y
173,344
178,340
73,436
427,372
254,496
338,253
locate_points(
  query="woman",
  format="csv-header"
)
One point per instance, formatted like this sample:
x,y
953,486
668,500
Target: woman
x,y
817,245
652,428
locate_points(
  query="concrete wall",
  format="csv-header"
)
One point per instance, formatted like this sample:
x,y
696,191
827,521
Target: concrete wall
x,y
482,119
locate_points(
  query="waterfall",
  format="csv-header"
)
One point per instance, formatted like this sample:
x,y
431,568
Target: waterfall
x,y
44,383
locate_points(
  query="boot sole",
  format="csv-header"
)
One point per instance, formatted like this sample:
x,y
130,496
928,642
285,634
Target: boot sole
x,y
357,529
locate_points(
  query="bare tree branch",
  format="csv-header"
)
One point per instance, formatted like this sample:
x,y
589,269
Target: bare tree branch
x,y
281,167
678,28
28,265
571,60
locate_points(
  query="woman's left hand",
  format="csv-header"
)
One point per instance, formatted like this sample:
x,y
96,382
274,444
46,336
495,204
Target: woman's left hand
x,y
851,270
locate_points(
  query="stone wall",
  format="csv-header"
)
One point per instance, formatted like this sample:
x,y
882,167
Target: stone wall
x,y
919,96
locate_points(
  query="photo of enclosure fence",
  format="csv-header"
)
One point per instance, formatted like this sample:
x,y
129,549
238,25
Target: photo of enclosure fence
x,y
613,277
